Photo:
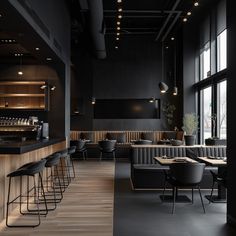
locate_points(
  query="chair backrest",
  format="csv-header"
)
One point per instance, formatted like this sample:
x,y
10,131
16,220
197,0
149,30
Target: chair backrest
x,y
71,150
187,173
107,145
80,144
53,159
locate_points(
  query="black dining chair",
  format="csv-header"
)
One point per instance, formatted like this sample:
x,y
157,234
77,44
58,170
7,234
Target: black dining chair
x,y
80,147
107,147
185,175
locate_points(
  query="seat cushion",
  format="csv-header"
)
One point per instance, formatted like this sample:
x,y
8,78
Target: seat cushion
x,y
87,136
119,137
147,136
169,135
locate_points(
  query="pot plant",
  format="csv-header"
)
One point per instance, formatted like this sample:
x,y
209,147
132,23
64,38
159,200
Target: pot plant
x,y
190,125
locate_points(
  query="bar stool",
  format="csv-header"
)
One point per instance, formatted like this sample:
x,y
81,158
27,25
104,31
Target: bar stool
x,y
52,163
31,169
71,150
64,169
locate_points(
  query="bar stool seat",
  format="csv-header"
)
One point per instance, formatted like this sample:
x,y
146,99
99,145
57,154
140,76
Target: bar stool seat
x,y
30,169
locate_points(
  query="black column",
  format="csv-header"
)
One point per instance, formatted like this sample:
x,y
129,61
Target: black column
x,y
231,115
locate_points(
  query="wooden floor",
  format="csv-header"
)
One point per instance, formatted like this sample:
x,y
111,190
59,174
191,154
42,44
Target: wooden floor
x,y
87,207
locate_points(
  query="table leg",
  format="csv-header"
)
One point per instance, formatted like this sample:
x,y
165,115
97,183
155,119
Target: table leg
x,y
221,190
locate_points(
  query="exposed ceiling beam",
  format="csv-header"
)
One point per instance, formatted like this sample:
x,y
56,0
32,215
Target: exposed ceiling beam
x,y
170,27
167,19
143,11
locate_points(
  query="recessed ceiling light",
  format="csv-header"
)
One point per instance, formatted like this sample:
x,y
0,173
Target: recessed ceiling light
x,y
196,4
189,13
185,19
117,33
37,49
119,16
167,47
120,10
172,38
20,73
118,22
117,38
119,1
118,28
116,47
48,58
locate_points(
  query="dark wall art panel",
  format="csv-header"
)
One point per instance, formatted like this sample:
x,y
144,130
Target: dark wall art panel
x,y
126,109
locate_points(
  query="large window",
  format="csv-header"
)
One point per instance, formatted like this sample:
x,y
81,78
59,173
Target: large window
x,y
206,112
222,104
205,61
222,50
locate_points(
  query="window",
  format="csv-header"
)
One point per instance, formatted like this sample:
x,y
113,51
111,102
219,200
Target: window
x,y
206,112
222,112
205,62
222,51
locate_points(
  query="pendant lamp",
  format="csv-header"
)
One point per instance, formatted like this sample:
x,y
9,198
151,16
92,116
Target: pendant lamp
x,y
162,85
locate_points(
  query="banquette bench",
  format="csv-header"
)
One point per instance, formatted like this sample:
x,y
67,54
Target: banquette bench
x,y
147,174
124,139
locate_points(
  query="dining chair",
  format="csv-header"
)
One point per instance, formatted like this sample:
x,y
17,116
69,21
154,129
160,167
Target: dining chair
x,y
106,147
185,175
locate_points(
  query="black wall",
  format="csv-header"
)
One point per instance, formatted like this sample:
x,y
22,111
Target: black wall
x,y
132,71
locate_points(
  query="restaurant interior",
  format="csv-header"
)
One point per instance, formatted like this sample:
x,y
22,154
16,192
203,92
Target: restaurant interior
x,y
117,117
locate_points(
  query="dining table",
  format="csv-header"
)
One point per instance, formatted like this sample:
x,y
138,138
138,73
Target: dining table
x,y
221,164
167,161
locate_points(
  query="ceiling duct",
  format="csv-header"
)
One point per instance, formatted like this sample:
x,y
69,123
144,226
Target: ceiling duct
x,y
97,27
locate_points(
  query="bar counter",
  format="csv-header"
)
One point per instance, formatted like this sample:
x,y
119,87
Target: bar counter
x,y
15,154
10,147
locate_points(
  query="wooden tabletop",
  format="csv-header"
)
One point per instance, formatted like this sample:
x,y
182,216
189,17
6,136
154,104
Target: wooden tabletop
x,y
169,161
213,162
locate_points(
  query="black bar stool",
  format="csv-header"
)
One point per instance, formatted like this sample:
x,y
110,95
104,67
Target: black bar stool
x,y
53,182
31,169
71,150
64,169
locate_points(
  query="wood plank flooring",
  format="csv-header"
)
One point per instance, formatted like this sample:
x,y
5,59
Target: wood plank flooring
x,y
86,209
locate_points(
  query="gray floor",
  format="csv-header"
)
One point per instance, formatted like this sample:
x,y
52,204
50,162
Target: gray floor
x,y
141,213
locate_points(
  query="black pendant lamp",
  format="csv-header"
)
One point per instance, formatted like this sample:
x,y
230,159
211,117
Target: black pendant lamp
x,y
162,85
175,89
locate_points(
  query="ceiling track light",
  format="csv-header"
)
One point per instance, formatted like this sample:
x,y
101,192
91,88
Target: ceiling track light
x,y
196,4
52,87
119,16
120,10
185,19
152,100
118,22
117,38
119,1
93,102
189,13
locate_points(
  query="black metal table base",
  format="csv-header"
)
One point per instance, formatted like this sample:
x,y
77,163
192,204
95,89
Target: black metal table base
x,y
215,199
179,198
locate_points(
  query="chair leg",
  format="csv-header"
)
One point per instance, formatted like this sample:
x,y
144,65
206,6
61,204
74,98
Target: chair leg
x,y
100,156
114,156
212,190
201,199
174,198
164,190
192,196
73,166
8,201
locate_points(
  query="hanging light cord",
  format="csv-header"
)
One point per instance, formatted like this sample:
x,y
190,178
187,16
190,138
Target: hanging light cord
x,y
162,55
